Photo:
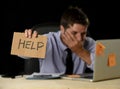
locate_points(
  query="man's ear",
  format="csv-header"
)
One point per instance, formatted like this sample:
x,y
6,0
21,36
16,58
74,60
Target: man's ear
x,y
62,29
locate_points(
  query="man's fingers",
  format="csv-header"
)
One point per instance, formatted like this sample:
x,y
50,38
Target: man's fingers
x,y
71,36
26,32
35,34
65,39
67,36
29,33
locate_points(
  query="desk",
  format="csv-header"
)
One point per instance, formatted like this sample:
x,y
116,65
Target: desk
x,y
22,83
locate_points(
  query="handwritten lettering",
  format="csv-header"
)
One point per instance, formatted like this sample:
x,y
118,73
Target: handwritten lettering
x,y
30,44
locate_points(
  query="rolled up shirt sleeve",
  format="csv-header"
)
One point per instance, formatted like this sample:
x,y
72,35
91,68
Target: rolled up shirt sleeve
x,y
91,48
91,66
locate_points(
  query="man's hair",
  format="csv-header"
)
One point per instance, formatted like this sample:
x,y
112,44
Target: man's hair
x,y
74,15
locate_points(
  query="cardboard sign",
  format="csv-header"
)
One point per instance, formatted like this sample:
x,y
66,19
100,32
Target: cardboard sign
x,y
29,47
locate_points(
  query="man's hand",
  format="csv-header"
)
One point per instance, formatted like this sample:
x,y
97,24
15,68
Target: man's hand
x,y
73,43
29,33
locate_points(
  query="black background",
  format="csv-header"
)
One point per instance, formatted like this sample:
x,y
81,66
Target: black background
x,y
22,14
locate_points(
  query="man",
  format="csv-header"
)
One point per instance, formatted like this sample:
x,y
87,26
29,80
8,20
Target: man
x,y
73,30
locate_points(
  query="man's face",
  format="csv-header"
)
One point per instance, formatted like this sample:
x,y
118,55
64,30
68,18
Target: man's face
x,y
78,31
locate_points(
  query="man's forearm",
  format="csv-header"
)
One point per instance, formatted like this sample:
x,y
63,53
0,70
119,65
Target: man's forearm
x,y
84,55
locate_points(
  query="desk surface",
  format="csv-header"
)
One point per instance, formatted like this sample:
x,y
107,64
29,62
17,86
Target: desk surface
x,y
22,83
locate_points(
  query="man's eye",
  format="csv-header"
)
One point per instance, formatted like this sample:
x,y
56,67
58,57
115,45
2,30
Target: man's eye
x,y
83,33
74,33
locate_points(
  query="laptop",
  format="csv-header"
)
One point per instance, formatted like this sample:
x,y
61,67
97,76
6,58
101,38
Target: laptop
x,y
107,61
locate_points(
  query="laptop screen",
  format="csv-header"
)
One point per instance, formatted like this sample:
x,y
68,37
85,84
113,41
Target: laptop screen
x,y
107,59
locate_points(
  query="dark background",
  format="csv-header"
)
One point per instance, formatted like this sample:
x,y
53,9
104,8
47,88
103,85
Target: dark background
x,y
22,14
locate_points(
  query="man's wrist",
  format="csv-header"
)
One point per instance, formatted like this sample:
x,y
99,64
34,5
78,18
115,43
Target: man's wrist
x,y
84,55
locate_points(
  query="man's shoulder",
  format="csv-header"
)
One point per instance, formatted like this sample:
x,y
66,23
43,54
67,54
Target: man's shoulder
x,y
90,39
53,35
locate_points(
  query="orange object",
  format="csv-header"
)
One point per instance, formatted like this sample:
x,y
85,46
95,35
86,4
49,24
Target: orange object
x,y
111,60
73,76
100,49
